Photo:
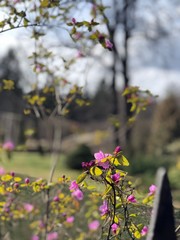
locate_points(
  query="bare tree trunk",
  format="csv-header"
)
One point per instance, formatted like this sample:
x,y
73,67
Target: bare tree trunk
x,y
128,8
115,107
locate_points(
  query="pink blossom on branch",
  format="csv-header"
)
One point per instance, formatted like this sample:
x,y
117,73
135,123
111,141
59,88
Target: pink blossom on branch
x,y
115,177
152,189
100,156
73,186
131,199
144,231
114,228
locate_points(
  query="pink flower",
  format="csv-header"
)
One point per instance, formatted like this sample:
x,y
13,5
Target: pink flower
x,y
115,177
104,165
73,186
52,236
152,189
94,225
99,156
2,171
114,228
109,45
144,231
78,194
70,219
28,207
104,208
8,146
35,237
132,199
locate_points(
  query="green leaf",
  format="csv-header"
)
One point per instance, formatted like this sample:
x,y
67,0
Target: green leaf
x,y
94,23
44,3
95,171
73,31
93,36
124,160
79,24
26,22
81,177
2,24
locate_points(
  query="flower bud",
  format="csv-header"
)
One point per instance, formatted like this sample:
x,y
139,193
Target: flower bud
x,y
117,150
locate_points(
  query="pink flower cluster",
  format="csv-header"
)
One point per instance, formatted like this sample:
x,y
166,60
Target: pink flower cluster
x,y
101,161
76,192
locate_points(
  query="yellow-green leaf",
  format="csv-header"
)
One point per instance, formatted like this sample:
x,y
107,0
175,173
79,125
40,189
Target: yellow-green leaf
x,y
81,177
124,160
137,235
116,220
95,171
133,215
115,161
108,189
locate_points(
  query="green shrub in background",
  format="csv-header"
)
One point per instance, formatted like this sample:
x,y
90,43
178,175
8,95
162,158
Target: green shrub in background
x,y
148,164
81,154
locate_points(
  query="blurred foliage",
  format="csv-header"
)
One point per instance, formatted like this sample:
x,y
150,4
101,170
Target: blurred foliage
x,y
148,164
81,154
165,125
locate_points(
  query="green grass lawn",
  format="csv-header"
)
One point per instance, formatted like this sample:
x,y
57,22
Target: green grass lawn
x,y
36,165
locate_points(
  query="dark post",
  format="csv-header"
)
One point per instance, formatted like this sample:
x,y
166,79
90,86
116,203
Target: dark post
x,y
162,226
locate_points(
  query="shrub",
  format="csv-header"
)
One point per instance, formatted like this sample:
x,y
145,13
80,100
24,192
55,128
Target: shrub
x,y
81,154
